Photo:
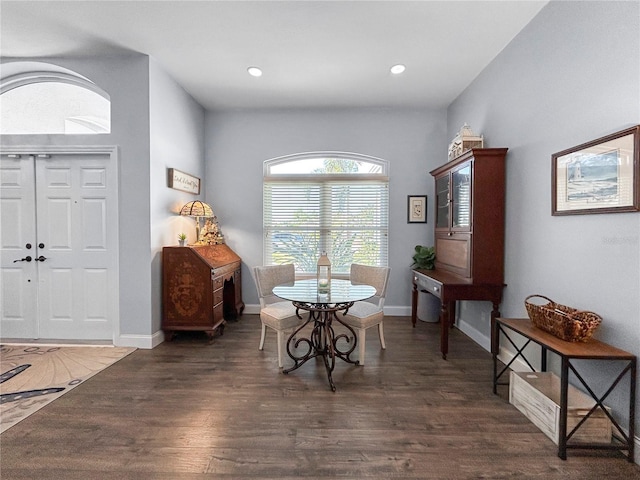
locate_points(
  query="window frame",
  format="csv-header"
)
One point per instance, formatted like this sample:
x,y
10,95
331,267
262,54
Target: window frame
x,y
27,78
327,181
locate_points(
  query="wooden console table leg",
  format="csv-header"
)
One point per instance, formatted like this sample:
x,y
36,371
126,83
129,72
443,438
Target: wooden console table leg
x,y
495,313
414,304
564,401
452,314
495,339
632,411
444,329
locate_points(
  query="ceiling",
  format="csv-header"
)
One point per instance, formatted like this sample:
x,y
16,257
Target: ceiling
x,y
314,54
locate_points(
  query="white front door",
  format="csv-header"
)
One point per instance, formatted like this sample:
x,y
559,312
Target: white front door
x,y
18,274
68,289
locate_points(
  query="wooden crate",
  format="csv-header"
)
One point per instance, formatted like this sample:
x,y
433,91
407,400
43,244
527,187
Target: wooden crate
x,y
537,396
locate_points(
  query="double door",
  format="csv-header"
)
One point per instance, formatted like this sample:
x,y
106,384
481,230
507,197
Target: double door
x,y
58,246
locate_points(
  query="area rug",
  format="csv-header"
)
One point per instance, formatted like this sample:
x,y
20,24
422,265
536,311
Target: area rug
x,y
32,376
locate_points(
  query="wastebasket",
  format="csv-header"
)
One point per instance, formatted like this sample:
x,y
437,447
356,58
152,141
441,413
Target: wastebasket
x,y
428,307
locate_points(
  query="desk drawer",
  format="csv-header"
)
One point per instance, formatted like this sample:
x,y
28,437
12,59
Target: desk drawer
x,y
428,284
218,296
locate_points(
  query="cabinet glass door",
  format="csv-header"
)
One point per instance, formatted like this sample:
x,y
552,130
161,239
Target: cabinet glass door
x,y
461,191
442,202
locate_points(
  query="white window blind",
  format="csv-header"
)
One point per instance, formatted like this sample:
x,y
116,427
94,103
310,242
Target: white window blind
x,y
347,218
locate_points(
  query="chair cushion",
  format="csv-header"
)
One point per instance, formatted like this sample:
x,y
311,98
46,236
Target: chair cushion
x,y
280,315
363,315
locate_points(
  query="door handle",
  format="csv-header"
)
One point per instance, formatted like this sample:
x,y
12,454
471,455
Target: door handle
x,y
25,259
41,258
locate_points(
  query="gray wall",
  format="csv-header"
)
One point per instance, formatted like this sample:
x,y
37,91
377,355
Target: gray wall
x,y
572,75
177,141
238,142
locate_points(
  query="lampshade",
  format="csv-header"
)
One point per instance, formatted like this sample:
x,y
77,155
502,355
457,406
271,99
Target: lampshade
x,y
197,209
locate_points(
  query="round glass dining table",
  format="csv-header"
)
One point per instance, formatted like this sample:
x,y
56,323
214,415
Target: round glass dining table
x,y
323,308
340,291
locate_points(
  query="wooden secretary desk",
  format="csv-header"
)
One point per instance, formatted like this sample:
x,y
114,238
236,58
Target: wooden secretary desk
x,y
469,236
201,286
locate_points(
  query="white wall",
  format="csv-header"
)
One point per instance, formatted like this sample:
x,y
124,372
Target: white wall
x,y
572,75
176,141
237,143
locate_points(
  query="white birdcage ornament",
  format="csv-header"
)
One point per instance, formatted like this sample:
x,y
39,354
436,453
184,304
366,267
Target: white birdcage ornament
x,y
324,273
463,141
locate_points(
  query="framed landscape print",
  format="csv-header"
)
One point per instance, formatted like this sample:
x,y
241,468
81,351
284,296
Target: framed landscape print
x,y
600,176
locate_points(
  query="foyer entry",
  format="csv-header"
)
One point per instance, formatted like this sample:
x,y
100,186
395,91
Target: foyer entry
x,y
58,246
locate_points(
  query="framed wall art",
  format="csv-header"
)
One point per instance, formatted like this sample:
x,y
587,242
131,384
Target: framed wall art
x,y
417,209
601,176
183,181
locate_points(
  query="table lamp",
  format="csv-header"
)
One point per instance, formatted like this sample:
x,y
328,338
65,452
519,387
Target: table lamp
x,y
198,210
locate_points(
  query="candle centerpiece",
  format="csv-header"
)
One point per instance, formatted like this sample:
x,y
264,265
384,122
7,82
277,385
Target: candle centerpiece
x,y
324,273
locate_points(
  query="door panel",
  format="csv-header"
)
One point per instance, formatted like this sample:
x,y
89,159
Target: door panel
x,y
18,292
72,199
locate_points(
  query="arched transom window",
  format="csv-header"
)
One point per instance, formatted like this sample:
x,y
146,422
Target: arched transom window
x,y
326,201
54,101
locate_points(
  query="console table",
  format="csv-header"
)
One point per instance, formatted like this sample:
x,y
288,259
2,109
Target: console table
x,y
568,351
449,288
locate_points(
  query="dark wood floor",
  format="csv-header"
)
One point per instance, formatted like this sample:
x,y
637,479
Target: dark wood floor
x,y
190,410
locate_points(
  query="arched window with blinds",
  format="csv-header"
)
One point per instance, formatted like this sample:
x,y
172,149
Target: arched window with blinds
x,y
326,201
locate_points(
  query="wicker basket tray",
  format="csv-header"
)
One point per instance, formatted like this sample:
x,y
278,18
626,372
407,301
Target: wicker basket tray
x,y
564,322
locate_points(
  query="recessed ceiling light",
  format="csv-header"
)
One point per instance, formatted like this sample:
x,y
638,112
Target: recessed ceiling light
x,y
398,69
254,71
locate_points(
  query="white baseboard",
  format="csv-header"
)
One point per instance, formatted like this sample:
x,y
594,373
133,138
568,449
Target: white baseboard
x,y
474,334
140,341
397,311
252,309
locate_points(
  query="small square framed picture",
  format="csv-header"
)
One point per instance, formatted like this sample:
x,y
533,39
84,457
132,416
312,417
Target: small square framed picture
x,y
417,209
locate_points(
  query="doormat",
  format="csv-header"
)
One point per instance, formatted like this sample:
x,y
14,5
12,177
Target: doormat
x,y
32,376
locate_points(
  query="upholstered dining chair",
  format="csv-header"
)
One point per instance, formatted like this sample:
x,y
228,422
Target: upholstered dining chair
x,y
275,313
368,313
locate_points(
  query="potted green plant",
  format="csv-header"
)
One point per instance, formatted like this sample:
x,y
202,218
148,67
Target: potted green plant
x,y
182,238
424,257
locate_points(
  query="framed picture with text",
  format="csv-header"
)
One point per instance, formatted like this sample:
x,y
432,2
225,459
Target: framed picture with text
x,y
183,181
